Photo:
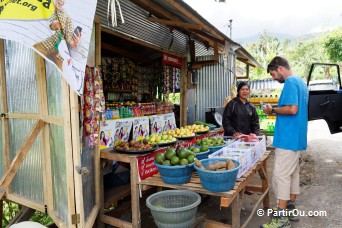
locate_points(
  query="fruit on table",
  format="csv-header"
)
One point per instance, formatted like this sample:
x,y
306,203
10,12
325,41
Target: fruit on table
x,y
181,132
182,157
210,142
155,138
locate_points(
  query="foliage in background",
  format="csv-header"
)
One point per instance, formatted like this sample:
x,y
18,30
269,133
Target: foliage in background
x,y
301,53
332,44
265,49
174,98
10,210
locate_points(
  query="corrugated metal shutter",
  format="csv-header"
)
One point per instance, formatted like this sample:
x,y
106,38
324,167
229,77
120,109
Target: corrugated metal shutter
x,y
213,87
137,26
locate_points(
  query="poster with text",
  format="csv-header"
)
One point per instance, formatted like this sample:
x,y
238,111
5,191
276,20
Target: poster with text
x,y
59,30
107,134
122,129
169,121
140,128
157,123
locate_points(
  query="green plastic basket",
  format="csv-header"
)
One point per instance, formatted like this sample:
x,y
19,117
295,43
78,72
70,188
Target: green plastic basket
x,y
174,208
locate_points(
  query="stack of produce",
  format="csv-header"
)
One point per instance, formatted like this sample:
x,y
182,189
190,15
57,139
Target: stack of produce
x,y
172,157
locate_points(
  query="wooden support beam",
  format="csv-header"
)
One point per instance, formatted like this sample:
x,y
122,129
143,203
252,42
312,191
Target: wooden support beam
x,y
215,224
135,40
155,9
183,93
21,154
115,222
175,23
200,32
1,211
192,17
124,52
254,188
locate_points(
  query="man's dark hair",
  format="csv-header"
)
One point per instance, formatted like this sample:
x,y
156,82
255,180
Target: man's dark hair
x,y
276,62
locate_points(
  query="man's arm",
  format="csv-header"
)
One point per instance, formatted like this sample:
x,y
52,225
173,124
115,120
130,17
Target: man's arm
x,y
283,110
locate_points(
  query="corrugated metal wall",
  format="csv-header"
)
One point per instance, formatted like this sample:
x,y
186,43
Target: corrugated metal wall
x,y
213,87
264,84
22,98
137,26
57,145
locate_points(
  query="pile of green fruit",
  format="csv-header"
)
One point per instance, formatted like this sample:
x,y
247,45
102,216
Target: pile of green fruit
x,y
155,138
200,149
172,157
210,142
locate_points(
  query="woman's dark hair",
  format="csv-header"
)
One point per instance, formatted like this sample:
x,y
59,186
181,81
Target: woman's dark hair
x,y
241,84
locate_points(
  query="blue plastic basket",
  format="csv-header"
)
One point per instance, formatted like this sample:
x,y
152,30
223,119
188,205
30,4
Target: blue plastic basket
x,y
179,174
216,148
202,155
217,181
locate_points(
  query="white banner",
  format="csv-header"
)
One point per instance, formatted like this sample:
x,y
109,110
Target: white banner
x,y
59,30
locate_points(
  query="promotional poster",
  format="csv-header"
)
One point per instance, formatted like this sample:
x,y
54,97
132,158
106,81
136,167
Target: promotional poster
x,y
59,30
140,128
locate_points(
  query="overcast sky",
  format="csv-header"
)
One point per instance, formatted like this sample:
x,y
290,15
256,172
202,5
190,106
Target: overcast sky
x,y
251,17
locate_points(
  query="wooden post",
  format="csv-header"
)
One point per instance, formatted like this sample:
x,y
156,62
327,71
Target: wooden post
x,y
264,184
19,158
236,210
3,102
183,93
1,206
136,222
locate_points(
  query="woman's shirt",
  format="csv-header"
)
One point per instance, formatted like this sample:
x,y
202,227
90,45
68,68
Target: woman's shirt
x,y
240,117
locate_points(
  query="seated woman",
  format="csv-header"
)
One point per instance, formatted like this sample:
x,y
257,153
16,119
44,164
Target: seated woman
x,y
240,116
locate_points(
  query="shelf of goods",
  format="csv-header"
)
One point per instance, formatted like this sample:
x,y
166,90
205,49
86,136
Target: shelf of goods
x,y
267,122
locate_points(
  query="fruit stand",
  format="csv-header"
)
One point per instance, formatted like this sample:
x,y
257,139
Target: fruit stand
x,y
144,175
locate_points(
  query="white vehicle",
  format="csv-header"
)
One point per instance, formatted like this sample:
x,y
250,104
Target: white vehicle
x,y
322,85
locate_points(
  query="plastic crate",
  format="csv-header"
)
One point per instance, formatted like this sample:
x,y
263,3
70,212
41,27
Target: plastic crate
x,y
174,208
243,158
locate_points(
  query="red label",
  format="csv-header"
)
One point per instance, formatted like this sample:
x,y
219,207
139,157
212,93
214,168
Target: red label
x,y
172,60
146,165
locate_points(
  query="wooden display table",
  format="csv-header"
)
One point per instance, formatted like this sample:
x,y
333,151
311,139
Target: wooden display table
x,y
232,197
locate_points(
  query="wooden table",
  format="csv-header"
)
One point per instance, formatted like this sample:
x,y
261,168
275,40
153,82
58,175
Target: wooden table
x,y
232,197
134,191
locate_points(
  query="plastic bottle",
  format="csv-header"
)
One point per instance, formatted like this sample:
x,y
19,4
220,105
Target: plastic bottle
x,y
252,99
256,99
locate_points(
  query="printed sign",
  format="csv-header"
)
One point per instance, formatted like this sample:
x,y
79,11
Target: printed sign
x,y
169,122
107,134
157,123
122,129
58,30
146,165
172,60
140,128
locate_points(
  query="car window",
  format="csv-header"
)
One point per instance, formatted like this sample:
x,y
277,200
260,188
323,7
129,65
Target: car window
x,y
324,77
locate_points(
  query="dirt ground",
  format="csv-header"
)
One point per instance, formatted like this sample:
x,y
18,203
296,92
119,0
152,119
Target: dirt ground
x,y
321,186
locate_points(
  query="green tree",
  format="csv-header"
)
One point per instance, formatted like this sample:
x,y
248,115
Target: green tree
x,y
332,44
263,50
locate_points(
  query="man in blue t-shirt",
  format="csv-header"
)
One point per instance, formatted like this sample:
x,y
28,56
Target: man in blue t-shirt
x,y
290,137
